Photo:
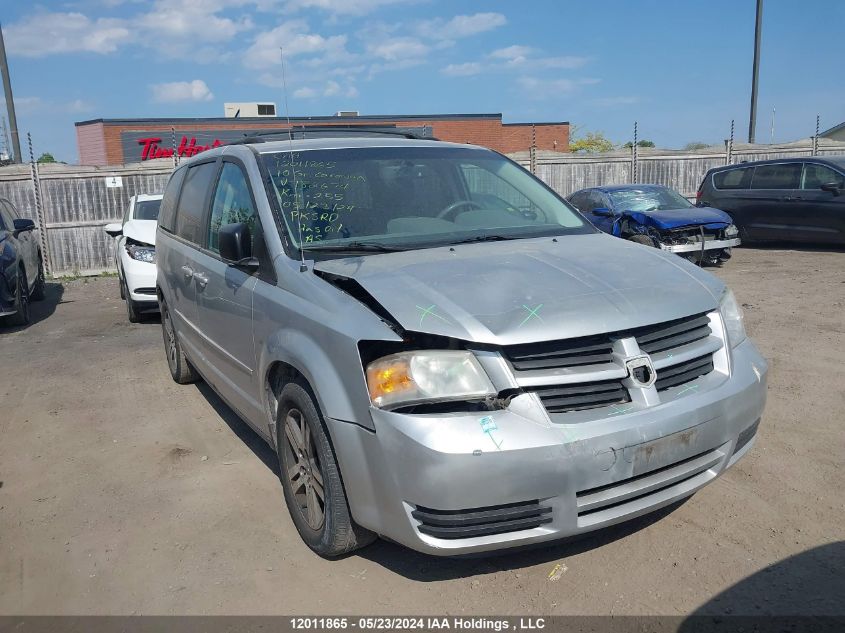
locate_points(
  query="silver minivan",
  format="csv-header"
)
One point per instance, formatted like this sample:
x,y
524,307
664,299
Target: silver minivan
x,y
440,349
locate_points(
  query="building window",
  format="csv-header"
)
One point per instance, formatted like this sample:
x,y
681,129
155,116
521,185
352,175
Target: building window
x,y
266,109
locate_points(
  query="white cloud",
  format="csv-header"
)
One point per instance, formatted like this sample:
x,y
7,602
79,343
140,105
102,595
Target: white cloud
x,y
398,48
512,52
330,89
46,33
178,91
461,26
297,41
462,70
182,23
342,7
37,104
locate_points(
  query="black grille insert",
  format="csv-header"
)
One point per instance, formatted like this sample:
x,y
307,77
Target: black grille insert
x,y
684,372
456,524
672,334
566,353
585,395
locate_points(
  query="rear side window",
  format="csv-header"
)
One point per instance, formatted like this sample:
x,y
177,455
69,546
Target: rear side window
x,y
167,213
190,214
733,178
232,204
817,175
779,176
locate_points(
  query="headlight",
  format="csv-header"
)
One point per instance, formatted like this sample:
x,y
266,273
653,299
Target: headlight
x,y
732,316
426,376
731,231
142,253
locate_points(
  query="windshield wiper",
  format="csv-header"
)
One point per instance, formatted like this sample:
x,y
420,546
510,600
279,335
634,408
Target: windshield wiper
x,y
488,238
354,247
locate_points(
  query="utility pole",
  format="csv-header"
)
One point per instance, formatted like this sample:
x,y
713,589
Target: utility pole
x,y
10,102
755,74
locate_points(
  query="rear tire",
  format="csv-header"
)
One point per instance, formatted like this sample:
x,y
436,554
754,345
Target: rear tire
x,y
639,238
38,289
122,291
181,369
22,315
311,479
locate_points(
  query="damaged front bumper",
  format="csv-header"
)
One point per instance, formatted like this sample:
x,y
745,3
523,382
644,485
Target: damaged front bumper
x,y
693,247
438,482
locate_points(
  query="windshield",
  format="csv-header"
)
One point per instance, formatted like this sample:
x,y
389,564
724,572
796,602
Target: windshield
x,y
408,197
147,209
651,199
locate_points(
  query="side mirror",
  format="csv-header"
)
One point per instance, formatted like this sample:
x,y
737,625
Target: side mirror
x,y
603,212
832,187
115,229
235,244
23,224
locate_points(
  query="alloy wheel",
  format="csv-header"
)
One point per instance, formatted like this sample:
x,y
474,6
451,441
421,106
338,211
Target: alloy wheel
x,y
303,469
172,352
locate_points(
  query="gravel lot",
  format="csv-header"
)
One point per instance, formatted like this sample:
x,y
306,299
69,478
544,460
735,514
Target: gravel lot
x,y
124,493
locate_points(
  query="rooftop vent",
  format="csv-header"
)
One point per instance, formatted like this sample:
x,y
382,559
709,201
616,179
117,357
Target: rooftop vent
x,y
347,113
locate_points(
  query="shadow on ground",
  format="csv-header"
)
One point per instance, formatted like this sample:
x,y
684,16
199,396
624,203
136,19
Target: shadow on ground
x,y
807,584
39,310
426,568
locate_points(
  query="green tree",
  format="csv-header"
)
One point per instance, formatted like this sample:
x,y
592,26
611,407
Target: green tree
x,y
694,145
642,143
46,157
591,143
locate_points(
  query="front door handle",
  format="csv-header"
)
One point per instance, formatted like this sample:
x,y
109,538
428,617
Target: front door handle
x,y
188,272
202,280
789,199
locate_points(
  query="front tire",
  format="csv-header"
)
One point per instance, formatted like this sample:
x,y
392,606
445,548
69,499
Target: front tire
x,y
132,312
22,314
181,370
311,479
645,240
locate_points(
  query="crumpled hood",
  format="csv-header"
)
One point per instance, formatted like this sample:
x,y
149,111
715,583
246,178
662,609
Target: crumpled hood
x,y
141,231
675,218
531,290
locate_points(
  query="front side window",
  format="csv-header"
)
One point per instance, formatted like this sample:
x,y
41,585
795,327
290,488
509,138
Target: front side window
x,y
778,176
733,178
147,210
189,215
412,197
817,175
232,204
651,199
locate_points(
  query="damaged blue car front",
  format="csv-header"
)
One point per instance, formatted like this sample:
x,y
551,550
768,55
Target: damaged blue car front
x,y
660,217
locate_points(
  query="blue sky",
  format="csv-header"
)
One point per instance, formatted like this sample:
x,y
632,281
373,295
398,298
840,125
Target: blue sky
x,y
681,69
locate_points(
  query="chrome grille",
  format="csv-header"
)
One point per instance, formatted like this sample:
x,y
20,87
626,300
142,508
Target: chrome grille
x,y
672,334
589,350
682,373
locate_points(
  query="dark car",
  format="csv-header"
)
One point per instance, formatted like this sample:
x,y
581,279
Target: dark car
x,y
658,216
791,199
21,269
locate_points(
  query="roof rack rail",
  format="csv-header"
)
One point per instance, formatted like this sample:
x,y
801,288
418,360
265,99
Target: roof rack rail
x,y
339,130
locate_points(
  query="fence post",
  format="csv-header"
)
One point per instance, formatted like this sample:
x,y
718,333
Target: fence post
x,y
39,215
634,170
532,153
729,146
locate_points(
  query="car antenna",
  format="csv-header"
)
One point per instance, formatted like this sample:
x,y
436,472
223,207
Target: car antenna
x,y
302,266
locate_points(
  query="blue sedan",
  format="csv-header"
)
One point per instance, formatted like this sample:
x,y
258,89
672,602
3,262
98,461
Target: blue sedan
x,y
658,216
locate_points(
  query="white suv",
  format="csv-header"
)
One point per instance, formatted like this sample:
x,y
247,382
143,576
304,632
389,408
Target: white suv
x,y
134,254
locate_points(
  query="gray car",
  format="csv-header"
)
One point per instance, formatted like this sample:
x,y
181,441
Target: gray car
x,y
440,349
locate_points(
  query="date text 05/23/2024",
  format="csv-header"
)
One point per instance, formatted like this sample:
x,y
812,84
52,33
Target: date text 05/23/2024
x,y
405,623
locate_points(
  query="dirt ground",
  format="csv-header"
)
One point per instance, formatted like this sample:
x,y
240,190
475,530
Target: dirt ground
x,y
124,493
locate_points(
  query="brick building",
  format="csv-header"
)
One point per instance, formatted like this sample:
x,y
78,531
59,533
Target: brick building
x,y
120,141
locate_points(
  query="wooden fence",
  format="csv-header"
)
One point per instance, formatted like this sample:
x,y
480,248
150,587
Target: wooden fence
x,y
76,202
